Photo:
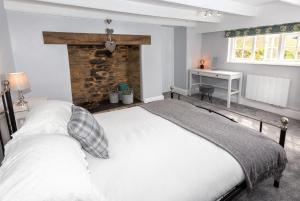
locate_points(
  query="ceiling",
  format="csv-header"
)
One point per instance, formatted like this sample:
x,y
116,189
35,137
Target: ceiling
x,y
255,2
165,12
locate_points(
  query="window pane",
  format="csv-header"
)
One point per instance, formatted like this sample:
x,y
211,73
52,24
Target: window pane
x,y
248,47
291,49
247,53
272,43
276,40
239,54
275,54
290,53
248,42
291,41
260,48
239,43
272,40
243,47
269,53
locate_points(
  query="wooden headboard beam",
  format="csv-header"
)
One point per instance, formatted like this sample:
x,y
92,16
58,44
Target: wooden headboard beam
x,y
93,38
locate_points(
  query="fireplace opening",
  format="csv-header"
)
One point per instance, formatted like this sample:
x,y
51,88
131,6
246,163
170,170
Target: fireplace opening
x,y
96,72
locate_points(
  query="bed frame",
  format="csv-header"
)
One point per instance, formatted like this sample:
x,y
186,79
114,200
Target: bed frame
x,y
8,112
237,190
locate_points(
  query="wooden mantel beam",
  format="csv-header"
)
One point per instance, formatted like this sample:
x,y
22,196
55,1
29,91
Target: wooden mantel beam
x,y
93,38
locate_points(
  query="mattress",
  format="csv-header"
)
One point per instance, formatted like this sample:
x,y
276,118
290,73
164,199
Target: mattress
x,y
152,159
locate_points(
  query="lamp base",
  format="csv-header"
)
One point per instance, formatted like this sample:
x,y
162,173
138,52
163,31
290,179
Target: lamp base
x,y
21,102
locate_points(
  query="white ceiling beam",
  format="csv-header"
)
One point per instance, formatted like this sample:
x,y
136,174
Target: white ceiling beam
x,y
30,7
137,8
227,6
292,2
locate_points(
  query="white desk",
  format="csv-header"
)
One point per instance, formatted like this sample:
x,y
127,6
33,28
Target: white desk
x,y
224,75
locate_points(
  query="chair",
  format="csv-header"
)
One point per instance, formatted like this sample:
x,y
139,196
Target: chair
x,y
206,90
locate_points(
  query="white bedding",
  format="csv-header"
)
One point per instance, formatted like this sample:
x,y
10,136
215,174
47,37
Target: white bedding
x,y
46,167
152,159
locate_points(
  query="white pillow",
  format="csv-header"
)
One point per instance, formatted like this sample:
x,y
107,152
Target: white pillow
x,y
49,117
45,168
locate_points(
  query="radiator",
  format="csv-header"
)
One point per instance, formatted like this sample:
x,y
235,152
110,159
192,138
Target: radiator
x,y
272,90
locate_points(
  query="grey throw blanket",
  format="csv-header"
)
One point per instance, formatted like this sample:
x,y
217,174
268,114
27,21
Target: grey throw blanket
x,y
259,156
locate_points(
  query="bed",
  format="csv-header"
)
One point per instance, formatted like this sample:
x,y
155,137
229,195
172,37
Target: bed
x,y
152,158
149,153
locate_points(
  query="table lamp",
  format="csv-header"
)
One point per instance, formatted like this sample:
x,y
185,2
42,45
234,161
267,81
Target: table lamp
x,y
202,62
19,82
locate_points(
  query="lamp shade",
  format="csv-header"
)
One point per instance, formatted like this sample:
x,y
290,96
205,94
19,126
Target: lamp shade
x,y
18,81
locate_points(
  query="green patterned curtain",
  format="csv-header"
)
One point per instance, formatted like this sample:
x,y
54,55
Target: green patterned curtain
x,y
281,28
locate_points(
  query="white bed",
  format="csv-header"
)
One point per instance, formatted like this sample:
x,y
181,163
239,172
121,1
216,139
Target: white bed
x,y
152,159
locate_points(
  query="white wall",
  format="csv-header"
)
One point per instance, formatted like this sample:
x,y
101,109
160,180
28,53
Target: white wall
x,y
216,45
187,54
180,58
6,59
47,65
6,64
168,58
193,49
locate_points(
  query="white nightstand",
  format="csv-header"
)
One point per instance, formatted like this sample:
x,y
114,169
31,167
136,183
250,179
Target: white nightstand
x,y
21,112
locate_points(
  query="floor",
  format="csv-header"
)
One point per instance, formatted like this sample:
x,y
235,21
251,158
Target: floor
x,y
290,183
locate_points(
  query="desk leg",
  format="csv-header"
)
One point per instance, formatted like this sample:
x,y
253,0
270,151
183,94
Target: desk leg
x,y
229,93
240,90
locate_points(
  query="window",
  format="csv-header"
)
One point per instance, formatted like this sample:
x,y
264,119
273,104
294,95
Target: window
x,y
281,49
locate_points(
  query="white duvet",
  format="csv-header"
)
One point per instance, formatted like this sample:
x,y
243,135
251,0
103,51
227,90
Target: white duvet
x,y
152,159
45,167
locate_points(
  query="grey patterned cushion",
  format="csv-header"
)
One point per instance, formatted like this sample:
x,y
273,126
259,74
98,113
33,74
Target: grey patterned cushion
x,y
85,128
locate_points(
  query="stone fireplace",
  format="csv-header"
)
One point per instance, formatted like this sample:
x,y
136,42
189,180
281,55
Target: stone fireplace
x,y
94,71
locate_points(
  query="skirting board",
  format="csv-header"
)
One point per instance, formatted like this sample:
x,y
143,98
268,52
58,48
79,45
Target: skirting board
x,y
155,98
180,91
266,107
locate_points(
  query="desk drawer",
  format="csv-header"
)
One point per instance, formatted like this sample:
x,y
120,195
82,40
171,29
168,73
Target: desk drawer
x,y
210,74
222,76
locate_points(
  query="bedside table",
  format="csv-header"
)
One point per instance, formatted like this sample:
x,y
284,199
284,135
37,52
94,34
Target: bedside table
x,y
21,112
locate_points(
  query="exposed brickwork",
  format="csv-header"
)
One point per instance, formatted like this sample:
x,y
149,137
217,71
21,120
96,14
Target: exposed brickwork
x,y
94,71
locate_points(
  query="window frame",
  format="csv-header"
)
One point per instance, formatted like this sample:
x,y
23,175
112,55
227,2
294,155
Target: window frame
x,y
280,54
